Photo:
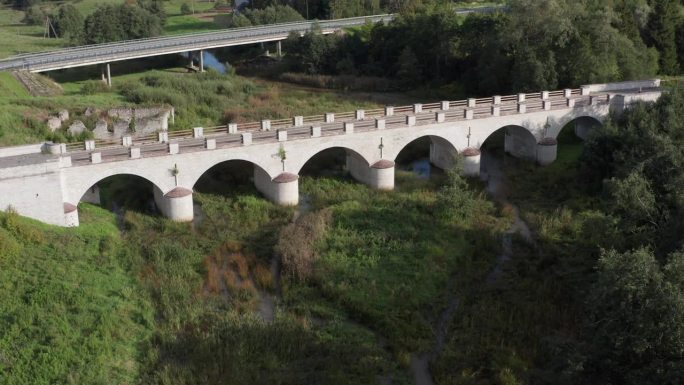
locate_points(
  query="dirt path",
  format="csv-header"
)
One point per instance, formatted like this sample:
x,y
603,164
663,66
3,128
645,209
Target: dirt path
x,y
494,174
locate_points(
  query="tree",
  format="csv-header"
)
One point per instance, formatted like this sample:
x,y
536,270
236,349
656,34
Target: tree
x,y
120,22
409,71
68,23
34,16
635,329
155,7
185,9
662,27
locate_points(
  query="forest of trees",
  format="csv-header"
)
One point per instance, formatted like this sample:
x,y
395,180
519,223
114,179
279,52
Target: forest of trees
x,y
128,20
533,45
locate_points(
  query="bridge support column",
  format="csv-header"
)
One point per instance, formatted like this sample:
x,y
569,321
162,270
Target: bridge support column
x,y
282,190
547,151
175,204
201,61
92,195
379,175
70,215
582,128
471,161
280,48
441,153
109,76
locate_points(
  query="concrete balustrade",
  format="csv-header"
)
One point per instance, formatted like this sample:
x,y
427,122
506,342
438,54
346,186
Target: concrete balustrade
x,y
210,144
127,141
440,117
348,128
522,108
545,95
469,114
282,135
360,114
546,105
96,157
389,110
471,102
232,128
329,117
567,92
444,105
134,153
266,125
585,90
417,108
496,99
197,132
316,131
89,145
521,98
163,137
570,103
246,138
410,120
496,110
174,148
298,121
380,124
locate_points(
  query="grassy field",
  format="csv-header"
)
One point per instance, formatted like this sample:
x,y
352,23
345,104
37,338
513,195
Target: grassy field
x,y
17,37
199,99
70,311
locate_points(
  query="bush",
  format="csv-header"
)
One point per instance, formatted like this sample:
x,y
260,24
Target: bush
x,y
94,86
297,243
34,16
185,9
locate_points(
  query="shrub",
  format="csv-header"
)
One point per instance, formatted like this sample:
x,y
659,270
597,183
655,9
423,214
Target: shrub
x,y
185,9
94,86
297,243
34,16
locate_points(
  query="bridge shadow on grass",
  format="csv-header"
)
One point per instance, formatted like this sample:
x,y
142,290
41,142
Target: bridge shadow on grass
x,y
118,69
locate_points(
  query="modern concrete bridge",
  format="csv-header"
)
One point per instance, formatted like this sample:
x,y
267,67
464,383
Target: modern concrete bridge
x,y
141,48
47,181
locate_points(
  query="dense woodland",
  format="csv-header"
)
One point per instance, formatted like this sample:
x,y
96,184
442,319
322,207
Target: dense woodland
x,y
595,297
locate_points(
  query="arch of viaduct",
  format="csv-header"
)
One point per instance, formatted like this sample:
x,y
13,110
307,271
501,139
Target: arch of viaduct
x,y
49,187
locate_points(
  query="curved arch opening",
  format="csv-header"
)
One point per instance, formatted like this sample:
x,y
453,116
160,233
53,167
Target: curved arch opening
x,y
580,128
571,137
508,144
336,162
426,156
122,192
229,177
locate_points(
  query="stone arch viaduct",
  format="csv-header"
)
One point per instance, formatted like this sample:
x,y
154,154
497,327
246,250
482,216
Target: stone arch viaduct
x,y
47,181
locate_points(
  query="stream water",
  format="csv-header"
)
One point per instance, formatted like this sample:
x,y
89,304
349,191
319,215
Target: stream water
x,y
210,61
493,173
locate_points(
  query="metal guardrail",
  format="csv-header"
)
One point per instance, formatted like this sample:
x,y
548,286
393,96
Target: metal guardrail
x,y
107,52
399,117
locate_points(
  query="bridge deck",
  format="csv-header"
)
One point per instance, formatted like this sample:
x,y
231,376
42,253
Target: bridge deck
x,y
268,131
126,50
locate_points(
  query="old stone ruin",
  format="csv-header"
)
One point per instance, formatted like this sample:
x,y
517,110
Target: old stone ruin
x,y
115,122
